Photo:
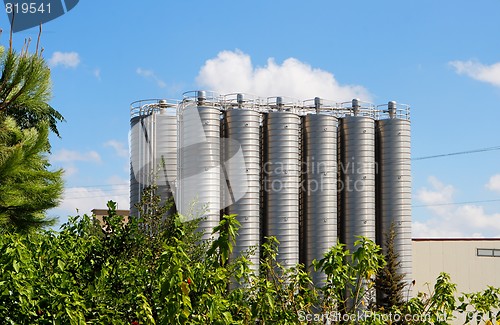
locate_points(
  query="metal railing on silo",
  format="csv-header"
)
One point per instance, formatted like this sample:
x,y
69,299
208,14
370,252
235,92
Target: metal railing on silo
x,y
199,171
242,128
319,168
281,171
394,181
153,148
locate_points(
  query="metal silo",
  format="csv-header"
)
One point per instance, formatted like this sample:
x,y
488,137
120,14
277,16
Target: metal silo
x,y
357,165
242,126
394,183
320,187
199,160
281,171
165,156
320,197
135,188
153,140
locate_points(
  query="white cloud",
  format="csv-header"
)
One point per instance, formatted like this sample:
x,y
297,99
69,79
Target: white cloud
x,y
118,147
65,59
84,199
70,170
233,71
65,155
494,183
448,220
478,71
97,73
150,74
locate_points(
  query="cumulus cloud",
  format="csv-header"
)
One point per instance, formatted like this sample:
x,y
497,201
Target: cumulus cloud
x,y
478,71
233,71
448,220
150,74
120,149
65,59
84,199
494,183
65,155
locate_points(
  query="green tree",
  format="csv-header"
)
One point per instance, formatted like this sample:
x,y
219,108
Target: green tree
x,y
150,271
350,276
25,89
390,282
27,187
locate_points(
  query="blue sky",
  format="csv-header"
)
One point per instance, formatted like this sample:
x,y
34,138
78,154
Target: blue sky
x,y
441,57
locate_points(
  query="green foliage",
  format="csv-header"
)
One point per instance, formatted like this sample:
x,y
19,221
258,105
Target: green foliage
x,y
481,307
349,285
436,307
25,90
27,187
390,281
154,270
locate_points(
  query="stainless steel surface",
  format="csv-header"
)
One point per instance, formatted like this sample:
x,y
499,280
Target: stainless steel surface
x,y
243,127
342,178
282,183
136,185
153,154
394,187
357,142
320,185
199,171
165,157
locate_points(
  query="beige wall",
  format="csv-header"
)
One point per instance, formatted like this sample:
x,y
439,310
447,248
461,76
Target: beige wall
x,y
458,258
100,213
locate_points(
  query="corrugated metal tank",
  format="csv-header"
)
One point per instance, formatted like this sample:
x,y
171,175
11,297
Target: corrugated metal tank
x,y
243,127
166,152
282,183
320,188
137,142
394,188
199,166
357,136
153,140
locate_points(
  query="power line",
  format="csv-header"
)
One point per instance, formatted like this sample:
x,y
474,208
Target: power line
x,y
457,153
454,203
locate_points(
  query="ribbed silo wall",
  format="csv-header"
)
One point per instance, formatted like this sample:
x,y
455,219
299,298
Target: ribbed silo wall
x,y
199,167
394,188
357,143
282,183
320,188
166,154
141,153
242,127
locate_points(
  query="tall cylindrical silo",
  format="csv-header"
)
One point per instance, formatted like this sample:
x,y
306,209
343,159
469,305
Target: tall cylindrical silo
x,y
320,188
137,142
394,186
153,140
242,127
165,158
357,134
199,165
282,183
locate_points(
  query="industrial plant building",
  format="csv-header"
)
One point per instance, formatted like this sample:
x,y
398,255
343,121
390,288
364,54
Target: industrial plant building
x,y
310,172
